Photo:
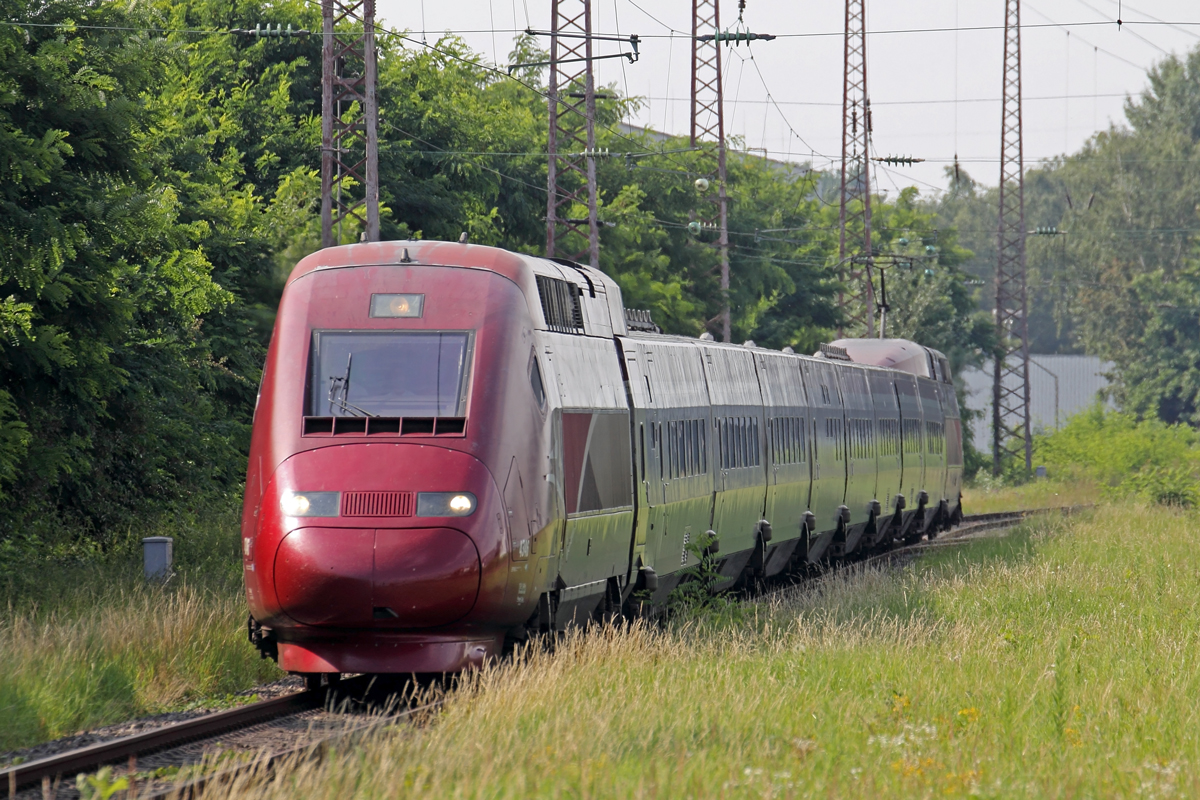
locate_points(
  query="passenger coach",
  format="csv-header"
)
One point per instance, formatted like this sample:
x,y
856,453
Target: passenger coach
x,y
455,445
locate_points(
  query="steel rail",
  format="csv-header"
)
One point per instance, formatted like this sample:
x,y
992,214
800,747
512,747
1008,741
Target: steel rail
x,y
312,749
31,773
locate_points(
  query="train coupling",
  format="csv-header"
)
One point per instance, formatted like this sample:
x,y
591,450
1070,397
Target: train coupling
x,y
263,639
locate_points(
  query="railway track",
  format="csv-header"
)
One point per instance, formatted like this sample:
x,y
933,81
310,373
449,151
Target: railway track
x,y
971,527
257,736
307,722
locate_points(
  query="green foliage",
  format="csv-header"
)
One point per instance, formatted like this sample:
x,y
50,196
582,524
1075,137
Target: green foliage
x,y
100,785
1164,486
693,601
88,642
1109,446
1145,459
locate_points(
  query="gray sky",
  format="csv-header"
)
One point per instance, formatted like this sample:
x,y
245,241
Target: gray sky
x,y
933,93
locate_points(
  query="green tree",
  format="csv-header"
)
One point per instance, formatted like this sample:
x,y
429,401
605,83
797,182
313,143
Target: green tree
x,y
104,284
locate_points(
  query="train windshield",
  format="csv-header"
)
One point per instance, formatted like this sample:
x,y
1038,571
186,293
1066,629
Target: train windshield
x,y
389,373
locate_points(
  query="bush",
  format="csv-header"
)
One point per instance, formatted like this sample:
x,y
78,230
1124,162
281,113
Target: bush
x,y
1163,486
1144,459
1109,447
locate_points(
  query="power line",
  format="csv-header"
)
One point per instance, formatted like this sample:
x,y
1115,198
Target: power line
x,y
805,35
773,101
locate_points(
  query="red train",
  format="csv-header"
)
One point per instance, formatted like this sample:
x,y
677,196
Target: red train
x,y
455,445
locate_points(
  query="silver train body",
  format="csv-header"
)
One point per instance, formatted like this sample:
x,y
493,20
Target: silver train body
x,y
651,441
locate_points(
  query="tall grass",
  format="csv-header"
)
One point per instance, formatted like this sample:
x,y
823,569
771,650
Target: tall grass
x,y
84,641
1059,662
985,497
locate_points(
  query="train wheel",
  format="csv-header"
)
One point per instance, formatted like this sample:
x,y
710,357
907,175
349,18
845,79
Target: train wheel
x,y
321,680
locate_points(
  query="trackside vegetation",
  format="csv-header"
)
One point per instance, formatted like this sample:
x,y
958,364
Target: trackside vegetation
x,y
1026,666
92,644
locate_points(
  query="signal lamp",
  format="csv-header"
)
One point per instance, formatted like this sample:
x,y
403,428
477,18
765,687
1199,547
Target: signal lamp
x,y
397,305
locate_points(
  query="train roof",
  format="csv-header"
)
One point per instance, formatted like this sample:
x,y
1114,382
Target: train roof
x,y
596,297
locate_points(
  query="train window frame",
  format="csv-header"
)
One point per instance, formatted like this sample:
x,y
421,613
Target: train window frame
x,y
466,378
537,382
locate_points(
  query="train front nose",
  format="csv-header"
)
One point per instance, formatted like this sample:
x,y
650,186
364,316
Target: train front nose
x,y
377,577
377,536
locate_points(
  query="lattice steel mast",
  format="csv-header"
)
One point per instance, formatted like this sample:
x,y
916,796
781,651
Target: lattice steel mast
x,y
349,147
856,298
571,178
708,121
1010,389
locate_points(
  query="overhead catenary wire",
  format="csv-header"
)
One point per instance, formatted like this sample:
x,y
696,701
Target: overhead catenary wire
x,y
803,35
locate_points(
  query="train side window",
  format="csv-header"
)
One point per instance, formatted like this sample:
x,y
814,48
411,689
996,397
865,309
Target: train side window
x,y
535,381
642,437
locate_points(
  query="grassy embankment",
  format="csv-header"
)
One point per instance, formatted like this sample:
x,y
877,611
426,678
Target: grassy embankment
x,y
1057,662
85,642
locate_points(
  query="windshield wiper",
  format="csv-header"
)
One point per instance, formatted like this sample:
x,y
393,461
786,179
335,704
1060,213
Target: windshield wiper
x,y
339,393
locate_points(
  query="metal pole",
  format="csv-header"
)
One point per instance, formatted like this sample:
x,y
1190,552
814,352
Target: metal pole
x,y
856,298
571,173
1055,377
708,119
1010,388
371,117
328,66
349,148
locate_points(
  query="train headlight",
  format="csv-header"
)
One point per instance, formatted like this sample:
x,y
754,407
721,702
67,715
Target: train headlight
x,y
445,504
310,504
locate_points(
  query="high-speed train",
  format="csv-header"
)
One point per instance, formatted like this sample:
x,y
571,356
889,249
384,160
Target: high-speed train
x,y
455,445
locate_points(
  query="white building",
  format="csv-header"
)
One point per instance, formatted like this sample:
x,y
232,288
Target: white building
x,y
1059,386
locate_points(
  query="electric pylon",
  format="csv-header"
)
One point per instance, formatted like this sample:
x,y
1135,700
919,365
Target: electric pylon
x,y
856,297
349,143
1010,389
571,179
708,121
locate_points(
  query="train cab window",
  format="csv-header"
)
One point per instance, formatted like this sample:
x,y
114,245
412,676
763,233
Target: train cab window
x,y
389,373
535,381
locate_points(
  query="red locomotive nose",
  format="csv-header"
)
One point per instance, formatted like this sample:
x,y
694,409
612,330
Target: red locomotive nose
x,y
384,536
363,577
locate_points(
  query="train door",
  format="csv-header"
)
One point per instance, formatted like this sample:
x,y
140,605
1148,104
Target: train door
x,y
911,427
935,440
789,480
828,444
667,390
887,430
860,442
597,481
738,432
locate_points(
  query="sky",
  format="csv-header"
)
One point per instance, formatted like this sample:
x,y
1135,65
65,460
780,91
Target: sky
x,y
933,70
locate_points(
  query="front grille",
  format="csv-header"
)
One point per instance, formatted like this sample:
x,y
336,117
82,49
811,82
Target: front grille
x,y
384,426
377,504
